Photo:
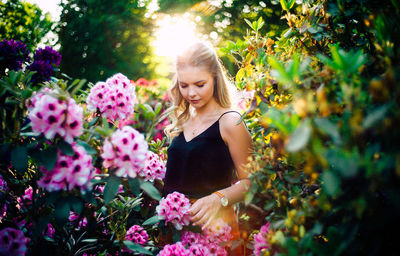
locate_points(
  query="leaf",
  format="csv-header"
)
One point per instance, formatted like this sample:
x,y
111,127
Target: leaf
x,y
48,158
111,189
66,148
88,148
331,183
240,75
76,204
375,116
151,220
328,128
19,159
136,247
134,184
62,209
150,190
299,137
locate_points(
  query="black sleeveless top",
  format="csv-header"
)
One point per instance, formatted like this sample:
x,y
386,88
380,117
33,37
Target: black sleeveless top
x,y
200,166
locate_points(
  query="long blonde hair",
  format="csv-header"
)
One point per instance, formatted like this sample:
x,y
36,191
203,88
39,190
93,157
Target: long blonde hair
x,y
199,54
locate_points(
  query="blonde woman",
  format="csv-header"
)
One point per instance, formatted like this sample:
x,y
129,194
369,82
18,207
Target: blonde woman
x,y
209,149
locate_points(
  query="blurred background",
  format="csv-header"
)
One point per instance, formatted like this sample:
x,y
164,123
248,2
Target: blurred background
x,y
138,38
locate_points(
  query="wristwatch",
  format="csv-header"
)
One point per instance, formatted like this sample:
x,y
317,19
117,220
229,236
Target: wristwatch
x,y
224,199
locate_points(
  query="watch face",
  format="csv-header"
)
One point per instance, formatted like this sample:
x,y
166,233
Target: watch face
x,y
224,201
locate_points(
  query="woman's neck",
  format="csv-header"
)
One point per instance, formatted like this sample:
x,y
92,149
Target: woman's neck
x,y
211,108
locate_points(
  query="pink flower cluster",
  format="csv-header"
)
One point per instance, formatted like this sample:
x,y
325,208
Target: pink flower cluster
x,y
154,167
114,98
125,151
12,242
137,235
175,209
51,116
211,238
244,99
261,244
74,216
176,249
69,171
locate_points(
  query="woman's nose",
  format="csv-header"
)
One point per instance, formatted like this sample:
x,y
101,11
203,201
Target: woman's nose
x,y
191,92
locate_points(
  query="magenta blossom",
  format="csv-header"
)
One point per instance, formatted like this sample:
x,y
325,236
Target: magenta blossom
x,y
114,98
125,151
12,242
70,172
51,116
3,185
73,217
175,209
154,168
261,244
137,235
176,249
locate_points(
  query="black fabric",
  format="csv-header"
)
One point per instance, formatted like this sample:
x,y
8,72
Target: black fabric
x,y
200,166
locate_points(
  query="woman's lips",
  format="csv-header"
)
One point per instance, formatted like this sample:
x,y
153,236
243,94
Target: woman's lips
x,y
194,101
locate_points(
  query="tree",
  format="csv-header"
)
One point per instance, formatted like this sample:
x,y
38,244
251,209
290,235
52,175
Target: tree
x,y
101,38
23,21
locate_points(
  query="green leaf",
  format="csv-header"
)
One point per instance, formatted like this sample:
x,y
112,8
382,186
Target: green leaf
x,y
62,209
328,128
76,204
88,148
134,184
111,189
240,74
48,157
19,158
375,116
249,23
66,148
136,247
151,220
150,190
331,183
284,5
299,137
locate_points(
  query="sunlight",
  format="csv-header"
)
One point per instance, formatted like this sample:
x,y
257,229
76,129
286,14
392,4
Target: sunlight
x,y
173,34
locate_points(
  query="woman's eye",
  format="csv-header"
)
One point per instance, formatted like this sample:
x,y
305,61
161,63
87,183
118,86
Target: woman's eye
x,y
183,86
200,85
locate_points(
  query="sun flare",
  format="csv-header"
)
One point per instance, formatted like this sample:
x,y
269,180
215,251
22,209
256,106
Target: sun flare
x,y
173,34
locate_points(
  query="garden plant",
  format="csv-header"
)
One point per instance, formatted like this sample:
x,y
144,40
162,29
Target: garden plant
x,y
82,163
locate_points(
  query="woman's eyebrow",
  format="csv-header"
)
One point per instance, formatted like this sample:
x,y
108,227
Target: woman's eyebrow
x,y
200,81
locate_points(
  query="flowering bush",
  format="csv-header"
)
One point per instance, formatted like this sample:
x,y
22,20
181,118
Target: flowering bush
x,y
174,208
176,249
51,116
154,168
261,244
114,99
125,151
137,235
12,55
12,242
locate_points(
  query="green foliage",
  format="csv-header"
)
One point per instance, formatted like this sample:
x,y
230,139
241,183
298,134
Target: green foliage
x,y
325,172
101,38
23,21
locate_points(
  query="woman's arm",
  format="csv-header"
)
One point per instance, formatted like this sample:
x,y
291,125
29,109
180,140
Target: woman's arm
x,y
240,146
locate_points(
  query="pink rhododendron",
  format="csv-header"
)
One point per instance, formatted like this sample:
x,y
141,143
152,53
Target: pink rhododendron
x,y
73,217
198,250
260,241
69,172
125,151
51,116
12,242
154,168
176,249
244,99
175,209
114,98
137,235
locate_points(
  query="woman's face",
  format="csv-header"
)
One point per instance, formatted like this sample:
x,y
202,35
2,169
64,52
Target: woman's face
x,y
196,85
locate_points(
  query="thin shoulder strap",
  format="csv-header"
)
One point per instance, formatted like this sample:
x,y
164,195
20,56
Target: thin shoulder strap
x,y
229,112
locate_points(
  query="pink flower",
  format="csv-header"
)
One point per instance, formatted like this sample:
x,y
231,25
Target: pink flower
x,y
51,116
137,235
244,99
114,98
176,249
260,241
154,168
198,250
12,242
125,151
69,171
175,209
49,231
3,184
73,217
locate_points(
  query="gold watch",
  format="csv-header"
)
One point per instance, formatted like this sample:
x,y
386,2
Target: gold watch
x,y
224,199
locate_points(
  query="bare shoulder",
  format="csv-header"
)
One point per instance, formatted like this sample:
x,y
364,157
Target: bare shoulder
x,y
230,127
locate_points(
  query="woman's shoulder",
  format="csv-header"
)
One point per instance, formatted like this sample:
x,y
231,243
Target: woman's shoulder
x,y
229,121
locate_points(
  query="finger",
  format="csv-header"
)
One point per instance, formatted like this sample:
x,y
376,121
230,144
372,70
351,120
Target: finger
x,y
199,215
194,209
205,226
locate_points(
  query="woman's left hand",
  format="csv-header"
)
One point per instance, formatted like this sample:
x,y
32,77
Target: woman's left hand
x,y
204,210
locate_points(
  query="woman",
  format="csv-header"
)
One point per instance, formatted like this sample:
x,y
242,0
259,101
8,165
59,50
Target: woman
x,y
209,148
